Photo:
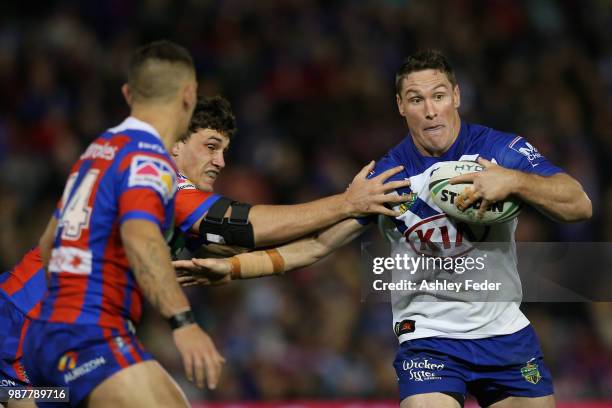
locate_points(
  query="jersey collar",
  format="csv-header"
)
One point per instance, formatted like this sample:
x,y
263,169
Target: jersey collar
x,y
132,123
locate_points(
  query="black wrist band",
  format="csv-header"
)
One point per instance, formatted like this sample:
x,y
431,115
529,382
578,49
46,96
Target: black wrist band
x,y
181,319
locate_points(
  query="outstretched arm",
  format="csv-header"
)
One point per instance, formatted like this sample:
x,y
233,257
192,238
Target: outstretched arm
x,y
312,249
303,252
275,224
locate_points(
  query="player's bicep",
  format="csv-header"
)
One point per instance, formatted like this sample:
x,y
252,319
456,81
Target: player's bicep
x,y
226,222
135,231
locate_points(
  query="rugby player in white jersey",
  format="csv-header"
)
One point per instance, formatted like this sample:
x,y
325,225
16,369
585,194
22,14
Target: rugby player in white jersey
x,y
451,347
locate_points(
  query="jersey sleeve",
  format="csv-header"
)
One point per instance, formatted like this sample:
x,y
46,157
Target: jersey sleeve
x,y
388,161
191,205
519,154
146,188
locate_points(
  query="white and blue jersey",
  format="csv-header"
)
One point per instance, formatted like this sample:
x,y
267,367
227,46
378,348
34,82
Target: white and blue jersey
x,y
422,224
421,318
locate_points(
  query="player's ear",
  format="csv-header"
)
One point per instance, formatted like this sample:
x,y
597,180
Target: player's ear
x,y
176,148
190,96
398,99
127,95
456,96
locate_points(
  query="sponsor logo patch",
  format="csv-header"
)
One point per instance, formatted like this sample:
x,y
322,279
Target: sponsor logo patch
x,y
531,372
184,183
440,236
83,369
99,151
147,171
406,206
150,146
122,345
67,361
70,259
525,148
423,369
403,327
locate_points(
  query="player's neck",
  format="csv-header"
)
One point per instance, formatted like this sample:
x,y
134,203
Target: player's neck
x,y
163,120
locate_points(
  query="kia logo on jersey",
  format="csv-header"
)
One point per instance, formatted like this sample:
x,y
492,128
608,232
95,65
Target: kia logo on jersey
x,y
440,236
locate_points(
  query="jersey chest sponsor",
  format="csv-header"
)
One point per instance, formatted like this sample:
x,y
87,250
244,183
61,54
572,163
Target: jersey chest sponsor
x,y
153,172
439,236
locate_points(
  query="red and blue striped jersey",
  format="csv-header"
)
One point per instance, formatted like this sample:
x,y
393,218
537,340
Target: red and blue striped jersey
x,y
194,203
25,285
125,174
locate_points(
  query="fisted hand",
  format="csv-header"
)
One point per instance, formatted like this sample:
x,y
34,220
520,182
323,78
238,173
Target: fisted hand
x,y
494,183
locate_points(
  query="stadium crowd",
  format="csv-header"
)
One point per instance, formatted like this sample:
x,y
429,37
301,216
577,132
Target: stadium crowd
x,y
312,87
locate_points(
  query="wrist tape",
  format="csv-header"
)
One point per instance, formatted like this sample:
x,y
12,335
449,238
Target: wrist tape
x,y
256,264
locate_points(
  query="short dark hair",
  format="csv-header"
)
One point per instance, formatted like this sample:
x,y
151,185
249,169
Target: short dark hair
x,y
212,113
154,69
422,60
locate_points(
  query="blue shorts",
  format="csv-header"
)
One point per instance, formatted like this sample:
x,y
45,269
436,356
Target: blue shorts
x,y
491,369
14,325
77,356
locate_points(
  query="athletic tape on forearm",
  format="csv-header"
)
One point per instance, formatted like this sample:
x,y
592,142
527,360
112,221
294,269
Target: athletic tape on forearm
x,y
256,264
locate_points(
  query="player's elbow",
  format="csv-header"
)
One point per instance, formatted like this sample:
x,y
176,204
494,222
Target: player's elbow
x,y
581,209
584,209
318,250
578,206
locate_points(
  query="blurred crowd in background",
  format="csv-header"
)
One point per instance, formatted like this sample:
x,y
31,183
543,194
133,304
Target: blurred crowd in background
x,y
312,86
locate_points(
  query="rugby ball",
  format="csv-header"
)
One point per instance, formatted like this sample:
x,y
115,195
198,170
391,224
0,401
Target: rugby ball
x,y
444,195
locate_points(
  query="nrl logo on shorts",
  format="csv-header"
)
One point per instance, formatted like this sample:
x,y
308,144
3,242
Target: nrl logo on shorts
x,y
530,372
